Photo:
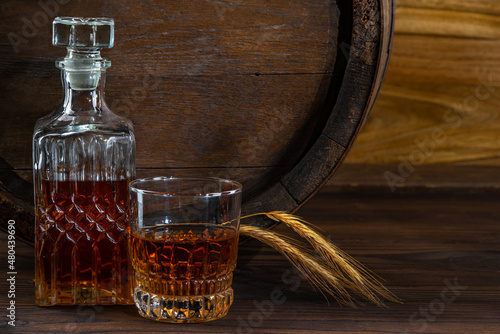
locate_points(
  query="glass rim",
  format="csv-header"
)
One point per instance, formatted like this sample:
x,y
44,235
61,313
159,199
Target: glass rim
x,y
134,186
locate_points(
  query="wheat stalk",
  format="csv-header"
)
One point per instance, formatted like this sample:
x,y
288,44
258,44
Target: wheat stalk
x,y
319,276
349,273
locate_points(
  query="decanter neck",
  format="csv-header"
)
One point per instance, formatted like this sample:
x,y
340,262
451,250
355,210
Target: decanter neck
x,y
88,100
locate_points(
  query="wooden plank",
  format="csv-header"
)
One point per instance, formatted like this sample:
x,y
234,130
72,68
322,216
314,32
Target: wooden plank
x,y
310,173
363,50
252,186
419,244
405,178
476,6
207,121
366,63
204,37
347,115
262,203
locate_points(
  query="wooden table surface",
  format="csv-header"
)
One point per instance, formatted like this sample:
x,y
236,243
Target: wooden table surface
x,y
438,252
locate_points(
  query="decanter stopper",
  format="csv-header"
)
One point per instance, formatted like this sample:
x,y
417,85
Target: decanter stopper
x,y
84,38
80,32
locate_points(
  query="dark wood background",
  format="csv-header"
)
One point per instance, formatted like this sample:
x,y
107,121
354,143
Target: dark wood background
x,y
200,77
270,94
442,52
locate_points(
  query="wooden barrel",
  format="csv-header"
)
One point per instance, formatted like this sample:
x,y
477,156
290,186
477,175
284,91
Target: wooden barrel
x,y
269,93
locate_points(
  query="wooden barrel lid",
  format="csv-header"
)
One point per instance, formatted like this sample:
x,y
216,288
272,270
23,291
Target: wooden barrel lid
x,y
269,93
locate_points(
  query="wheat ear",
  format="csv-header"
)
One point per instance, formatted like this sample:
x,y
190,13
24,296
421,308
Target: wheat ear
x,y
319,276
350,273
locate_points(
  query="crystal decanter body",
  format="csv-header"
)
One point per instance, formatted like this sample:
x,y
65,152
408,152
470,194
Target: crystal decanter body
x,y
84,158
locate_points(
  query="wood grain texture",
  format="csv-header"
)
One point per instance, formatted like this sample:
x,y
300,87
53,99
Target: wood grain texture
x,y
197,121
431,178
270,94
419,243
206,73
443,79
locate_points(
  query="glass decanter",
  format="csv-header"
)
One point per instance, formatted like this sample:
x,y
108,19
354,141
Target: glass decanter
x,y
83,160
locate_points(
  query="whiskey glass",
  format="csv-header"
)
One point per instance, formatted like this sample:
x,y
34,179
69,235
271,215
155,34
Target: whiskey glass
x,y
183,247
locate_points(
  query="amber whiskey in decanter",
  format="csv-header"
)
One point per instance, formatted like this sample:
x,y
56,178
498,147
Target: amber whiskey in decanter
x,y
83,160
